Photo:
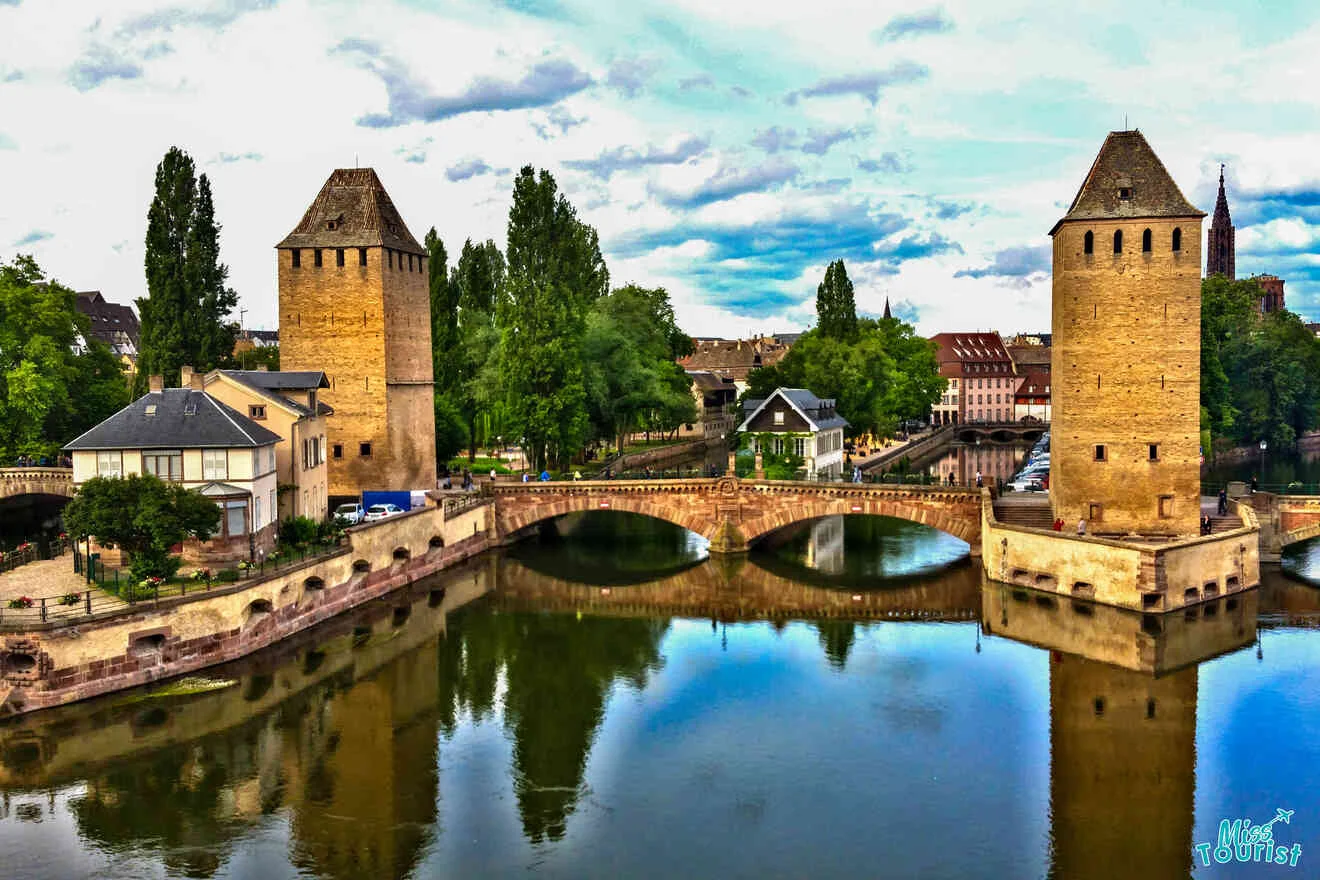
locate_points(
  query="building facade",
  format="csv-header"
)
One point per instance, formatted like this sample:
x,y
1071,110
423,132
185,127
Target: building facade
x,y
355,303
1271,293
285,402
802,424
189,437
1221,250
981,378
1126,354
715,397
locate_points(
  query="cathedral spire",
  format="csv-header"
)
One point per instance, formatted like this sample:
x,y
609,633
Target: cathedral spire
x,y
887,314
1221,257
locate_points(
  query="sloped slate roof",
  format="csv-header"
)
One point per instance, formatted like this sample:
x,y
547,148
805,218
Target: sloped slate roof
x,y
355,202
808,405
182,419
269,384
1126,161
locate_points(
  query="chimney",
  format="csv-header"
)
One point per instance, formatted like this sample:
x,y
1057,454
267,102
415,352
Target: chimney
x,y
155,383
189,379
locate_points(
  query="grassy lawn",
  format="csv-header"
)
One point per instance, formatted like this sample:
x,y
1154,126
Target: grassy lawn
x,y
480,465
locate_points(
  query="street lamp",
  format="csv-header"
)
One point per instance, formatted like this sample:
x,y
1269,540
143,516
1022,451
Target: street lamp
x,y
1263,446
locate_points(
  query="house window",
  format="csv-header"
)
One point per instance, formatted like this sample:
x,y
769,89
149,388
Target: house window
x,y
1088,243
1154,450
256,513
779,417
1177,239
1125,193
215,464
1166,506
1118,241
235,518
297,258
109,464
339,260
362,256
165,463
364,450
316,257
337,451
1100,452
256,411
1145,242
800,447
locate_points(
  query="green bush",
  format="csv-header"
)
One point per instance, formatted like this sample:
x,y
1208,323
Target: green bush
x,y
137,592
298,531
227,575
154,562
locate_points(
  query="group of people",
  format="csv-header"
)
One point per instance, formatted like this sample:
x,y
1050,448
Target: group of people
x,y
466,484
1081,525
43,461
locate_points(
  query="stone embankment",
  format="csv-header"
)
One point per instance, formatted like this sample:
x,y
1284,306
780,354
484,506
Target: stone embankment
x,y
61,661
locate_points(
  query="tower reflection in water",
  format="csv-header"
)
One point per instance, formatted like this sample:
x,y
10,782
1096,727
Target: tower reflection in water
x,y
1123,690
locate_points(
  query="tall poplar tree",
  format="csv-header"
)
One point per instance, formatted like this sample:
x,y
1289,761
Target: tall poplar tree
x,y
184,317
444,315
477,280
836,308
555,272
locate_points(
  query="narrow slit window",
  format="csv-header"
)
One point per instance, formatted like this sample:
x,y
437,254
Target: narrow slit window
x,y
1088,243
316,257
362,256
1118,241
339,257
1177,239
1153,450
1145,242
1100,452
297,258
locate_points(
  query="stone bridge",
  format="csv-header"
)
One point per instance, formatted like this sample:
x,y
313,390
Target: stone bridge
x,y
732,513
36,481
1284,520
1000,432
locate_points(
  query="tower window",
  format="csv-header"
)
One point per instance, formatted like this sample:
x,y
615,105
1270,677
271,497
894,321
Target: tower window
x,y
1100,452
362,256
1177,239
1154,451
390,257
339,257
297,257
1099,707
337,451
364,450
1088,243
1145,242
1118,241
1166,506
316,257
1125,193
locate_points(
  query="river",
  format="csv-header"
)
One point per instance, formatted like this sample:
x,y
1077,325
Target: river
x,y
852,701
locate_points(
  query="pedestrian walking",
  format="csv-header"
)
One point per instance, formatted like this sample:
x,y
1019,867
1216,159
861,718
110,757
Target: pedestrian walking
x,y
978,479
1223,502
1081,526
1254,484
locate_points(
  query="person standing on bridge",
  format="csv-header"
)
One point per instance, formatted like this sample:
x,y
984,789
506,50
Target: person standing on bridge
x,y
978,479
1223,502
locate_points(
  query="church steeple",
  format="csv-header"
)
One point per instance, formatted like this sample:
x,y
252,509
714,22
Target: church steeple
x,y
1221,257
887,314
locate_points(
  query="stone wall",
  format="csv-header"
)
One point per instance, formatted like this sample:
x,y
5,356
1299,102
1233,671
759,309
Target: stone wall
x,y
1143,576
56,664
1126,374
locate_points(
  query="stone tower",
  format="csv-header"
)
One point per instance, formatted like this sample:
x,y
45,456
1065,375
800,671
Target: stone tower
x,y
1125,433
1221,253
355,302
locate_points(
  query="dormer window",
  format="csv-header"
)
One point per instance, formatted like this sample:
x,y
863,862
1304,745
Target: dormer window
x,y
151,409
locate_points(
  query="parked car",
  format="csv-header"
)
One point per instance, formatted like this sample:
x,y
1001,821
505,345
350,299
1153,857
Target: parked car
x,y
380,511
349,513
1026,484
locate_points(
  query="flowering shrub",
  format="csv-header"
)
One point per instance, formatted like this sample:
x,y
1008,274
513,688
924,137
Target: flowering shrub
x,y
244,566
202,574
26,545
20,602
71,599
151,583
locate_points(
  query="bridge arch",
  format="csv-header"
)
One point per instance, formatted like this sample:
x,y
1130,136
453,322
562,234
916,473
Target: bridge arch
x,y
624,502
963,528
55,482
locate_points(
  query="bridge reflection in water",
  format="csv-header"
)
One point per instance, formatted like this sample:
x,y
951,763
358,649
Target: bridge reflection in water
x,y
342,741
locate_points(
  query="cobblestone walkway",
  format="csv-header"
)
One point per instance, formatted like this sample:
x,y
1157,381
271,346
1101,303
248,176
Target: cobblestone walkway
x,y
48,578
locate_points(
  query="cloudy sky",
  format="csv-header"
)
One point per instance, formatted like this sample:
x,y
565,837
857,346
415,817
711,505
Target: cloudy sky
x,y
726,151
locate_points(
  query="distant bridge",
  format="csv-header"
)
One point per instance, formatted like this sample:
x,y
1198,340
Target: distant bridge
x,y
732,513
18,481
1000,432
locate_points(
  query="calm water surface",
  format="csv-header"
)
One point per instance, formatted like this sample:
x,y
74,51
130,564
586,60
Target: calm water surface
x,y
851,702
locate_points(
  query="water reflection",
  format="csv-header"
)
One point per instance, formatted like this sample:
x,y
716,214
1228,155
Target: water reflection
x,y
725,718
995,461
859,551
609,547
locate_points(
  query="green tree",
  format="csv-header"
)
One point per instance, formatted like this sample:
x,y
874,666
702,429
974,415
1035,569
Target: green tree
x,y
444,316
142,515
55,380
259,356
450,429
184,317
476,281
555,272
836,307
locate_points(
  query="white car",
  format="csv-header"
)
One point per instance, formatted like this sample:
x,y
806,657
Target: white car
x,y
349,513
1026,484
380,511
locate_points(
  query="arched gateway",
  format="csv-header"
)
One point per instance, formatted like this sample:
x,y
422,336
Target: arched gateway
x,y
732,513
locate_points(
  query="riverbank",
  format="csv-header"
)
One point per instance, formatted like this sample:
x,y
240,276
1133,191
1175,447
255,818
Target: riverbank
x,y
61,661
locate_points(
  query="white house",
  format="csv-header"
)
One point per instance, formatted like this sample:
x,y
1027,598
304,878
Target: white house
x,y
804,425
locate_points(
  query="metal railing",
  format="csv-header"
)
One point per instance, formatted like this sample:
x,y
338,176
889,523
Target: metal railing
x,y
1211,488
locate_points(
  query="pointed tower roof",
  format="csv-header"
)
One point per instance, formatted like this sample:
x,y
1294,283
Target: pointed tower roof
x,y
887,313
1127,180
1221,217
352,210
